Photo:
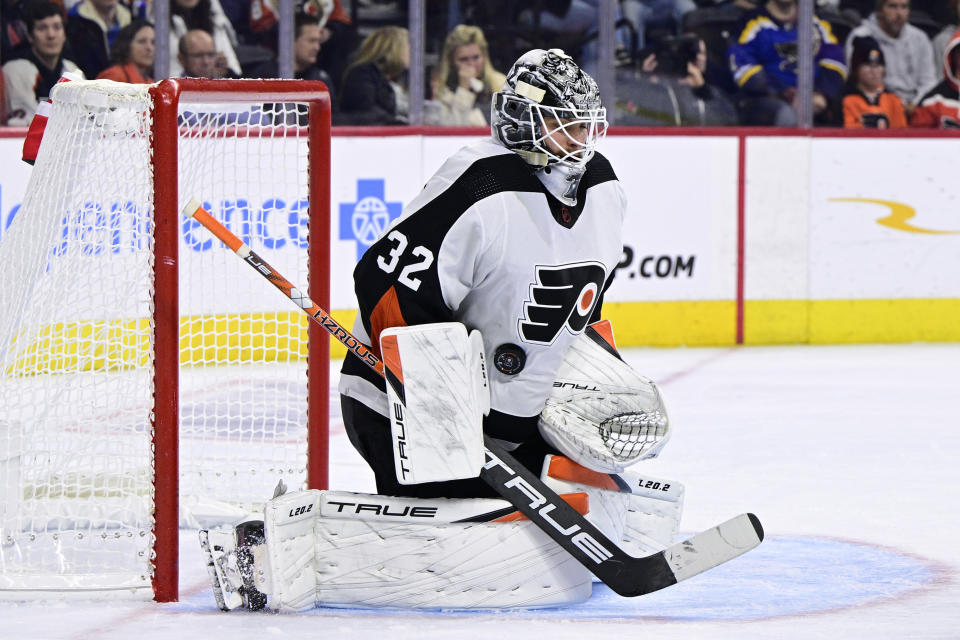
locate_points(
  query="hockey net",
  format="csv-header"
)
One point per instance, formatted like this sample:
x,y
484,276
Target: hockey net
x,y
131,340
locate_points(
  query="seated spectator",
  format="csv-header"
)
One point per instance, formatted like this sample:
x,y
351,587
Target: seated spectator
x,y
13,30
569,21
906,49
644,14
370,92
338,36
940,107
942,39
866,103
92,26
306,46
264,18
197,55
340,40
763,59
132,55
466,81
671,88
206,15
29,79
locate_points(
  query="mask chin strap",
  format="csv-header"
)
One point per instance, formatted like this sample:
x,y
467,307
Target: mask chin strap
x,y
534,158
562,181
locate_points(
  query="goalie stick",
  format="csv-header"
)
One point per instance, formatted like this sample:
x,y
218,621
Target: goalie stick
x,y
623,573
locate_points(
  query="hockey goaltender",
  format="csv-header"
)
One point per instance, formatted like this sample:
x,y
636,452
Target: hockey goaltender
x,y
483,301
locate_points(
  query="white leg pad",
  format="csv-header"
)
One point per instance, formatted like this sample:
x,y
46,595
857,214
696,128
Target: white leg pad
x,y
379,551
642,512
288,529
608,509
653,515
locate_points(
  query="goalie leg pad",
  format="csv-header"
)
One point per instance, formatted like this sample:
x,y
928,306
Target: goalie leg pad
x,y
252,563
641,511
292,563
653,516
362,550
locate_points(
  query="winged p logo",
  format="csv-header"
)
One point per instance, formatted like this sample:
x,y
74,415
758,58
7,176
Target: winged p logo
x,y
562,297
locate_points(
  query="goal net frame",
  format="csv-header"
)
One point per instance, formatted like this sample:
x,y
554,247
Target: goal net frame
x,y
167,98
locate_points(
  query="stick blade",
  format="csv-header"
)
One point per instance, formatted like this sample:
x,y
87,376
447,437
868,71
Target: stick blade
x,y
714,546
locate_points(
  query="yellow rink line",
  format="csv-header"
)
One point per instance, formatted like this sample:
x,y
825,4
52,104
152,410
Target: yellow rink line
x,y
713,323
114,345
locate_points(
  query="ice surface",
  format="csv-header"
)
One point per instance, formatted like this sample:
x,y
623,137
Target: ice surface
x,y
847,455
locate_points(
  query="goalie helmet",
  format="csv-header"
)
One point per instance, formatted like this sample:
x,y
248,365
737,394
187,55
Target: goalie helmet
x,y
549,110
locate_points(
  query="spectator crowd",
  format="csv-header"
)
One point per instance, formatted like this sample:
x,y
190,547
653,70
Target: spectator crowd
x,y
877,63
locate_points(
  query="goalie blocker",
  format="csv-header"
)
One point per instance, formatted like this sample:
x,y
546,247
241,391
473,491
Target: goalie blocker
x,y
333,548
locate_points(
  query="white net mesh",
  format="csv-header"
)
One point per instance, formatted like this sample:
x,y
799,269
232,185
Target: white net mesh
x,y
76,329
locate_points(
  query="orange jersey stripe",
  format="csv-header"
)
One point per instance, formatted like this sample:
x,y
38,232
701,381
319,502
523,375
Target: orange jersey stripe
x,y
385,314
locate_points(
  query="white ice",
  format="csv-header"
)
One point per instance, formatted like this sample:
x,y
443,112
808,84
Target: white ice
x,y
846,453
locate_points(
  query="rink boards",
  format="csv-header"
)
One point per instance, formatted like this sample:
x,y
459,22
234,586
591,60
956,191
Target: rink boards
x,y
732,235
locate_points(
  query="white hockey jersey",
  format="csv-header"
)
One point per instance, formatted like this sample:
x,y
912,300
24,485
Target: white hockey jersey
x,y
487,245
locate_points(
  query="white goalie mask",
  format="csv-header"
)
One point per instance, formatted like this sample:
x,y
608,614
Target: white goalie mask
x,y
549,110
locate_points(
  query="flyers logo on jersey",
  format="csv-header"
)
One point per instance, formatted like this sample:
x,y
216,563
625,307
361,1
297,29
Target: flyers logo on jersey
x,y
563,296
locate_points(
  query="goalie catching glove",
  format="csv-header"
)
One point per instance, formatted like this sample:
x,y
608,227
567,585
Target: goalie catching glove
x,y
602,414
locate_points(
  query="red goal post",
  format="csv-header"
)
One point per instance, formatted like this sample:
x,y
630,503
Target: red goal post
x,y
167,96
135,324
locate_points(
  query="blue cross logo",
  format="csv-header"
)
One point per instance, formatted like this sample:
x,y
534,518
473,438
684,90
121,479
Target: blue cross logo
x,y
366,219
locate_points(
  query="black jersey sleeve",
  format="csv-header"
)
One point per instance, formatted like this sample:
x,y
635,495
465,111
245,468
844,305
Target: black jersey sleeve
x,y
597,314
398,279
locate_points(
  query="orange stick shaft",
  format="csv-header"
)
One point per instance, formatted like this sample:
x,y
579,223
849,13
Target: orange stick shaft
x,y
195,210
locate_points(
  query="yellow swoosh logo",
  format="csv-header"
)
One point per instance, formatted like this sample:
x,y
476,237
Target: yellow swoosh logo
x,y
899,214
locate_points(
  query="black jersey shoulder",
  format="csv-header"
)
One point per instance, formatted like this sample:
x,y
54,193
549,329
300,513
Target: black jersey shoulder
x,y
508,172
505,173
599,170
492,175
483,178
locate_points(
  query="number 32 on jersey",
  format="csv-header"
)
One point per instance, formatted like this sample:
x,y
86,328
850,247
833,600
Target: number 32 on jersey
x,y
388,263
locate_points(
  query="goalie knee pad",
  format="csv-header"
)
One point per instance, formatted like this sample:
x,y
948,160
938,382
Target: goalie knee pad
x,y
642,512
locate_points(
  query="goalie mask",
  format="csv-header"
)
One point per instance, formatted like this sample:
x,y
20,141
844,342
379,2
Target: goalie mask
x,y
549,110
